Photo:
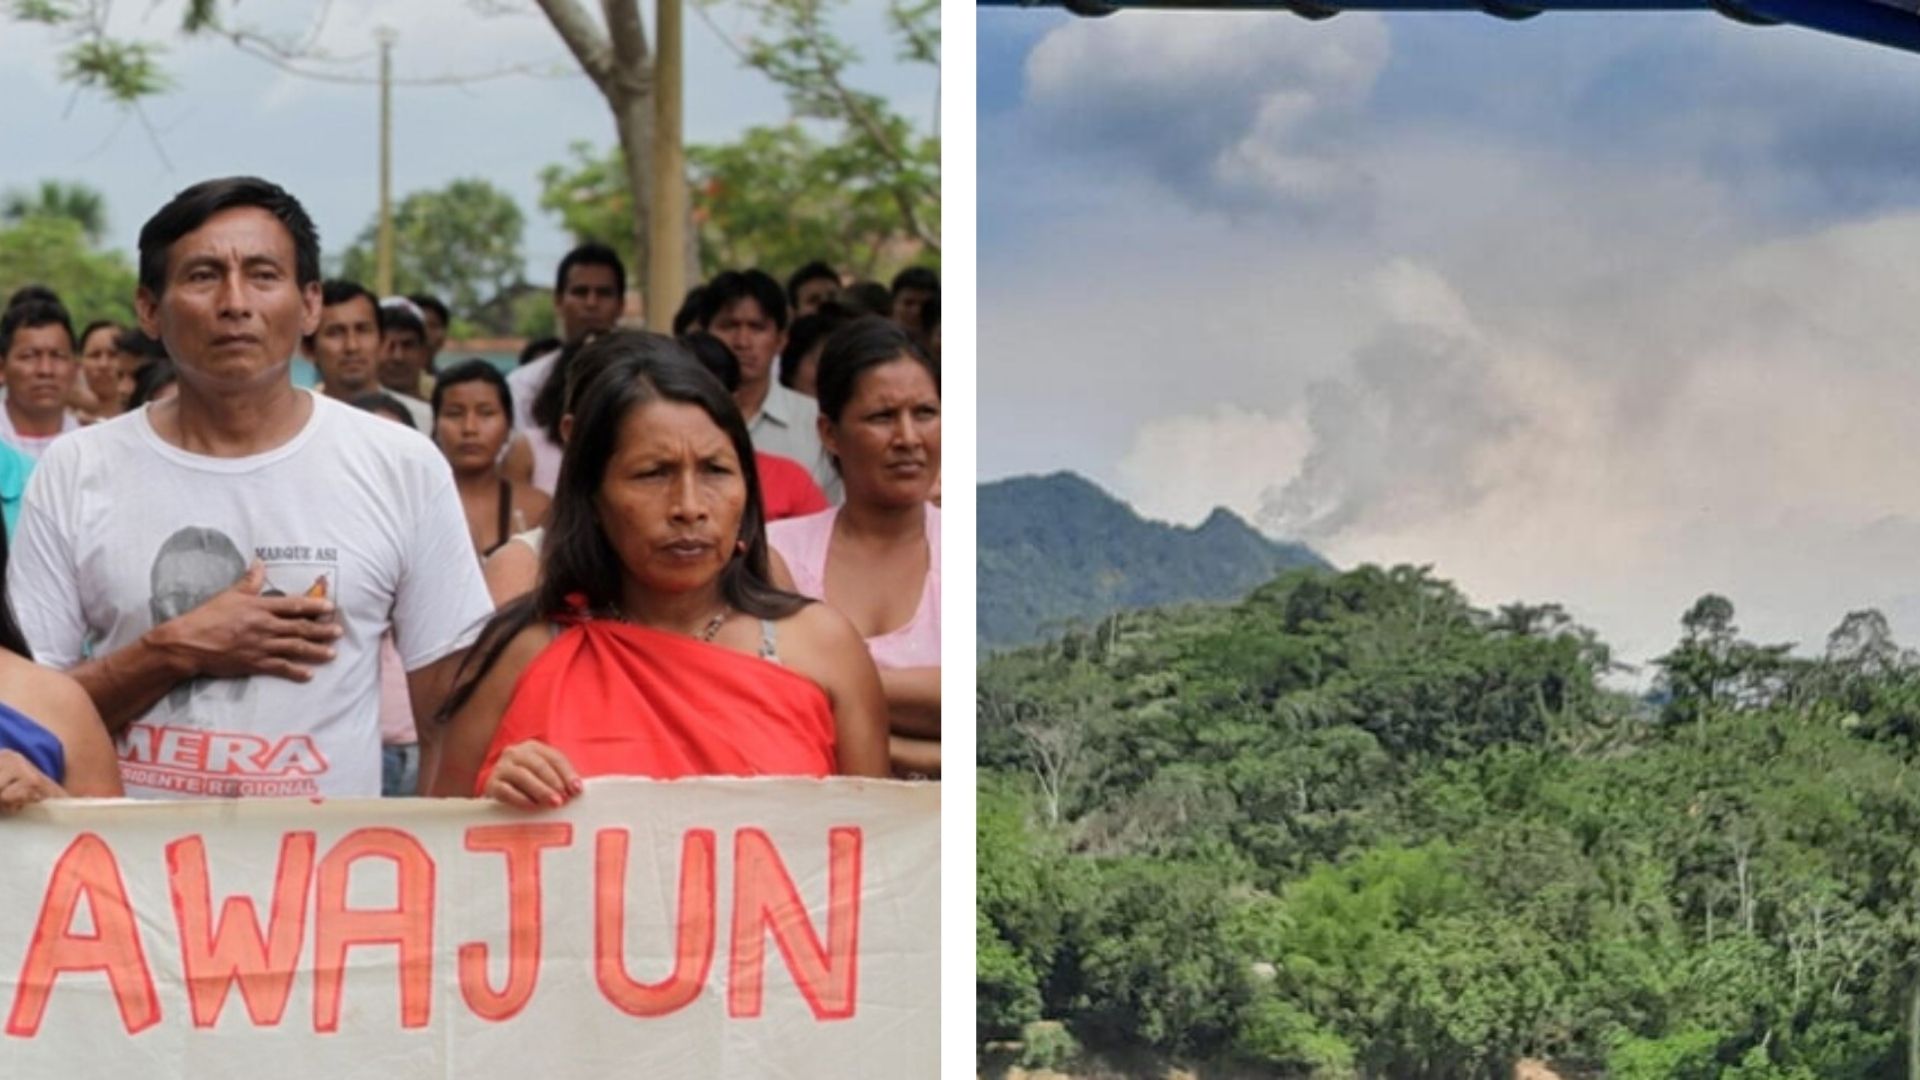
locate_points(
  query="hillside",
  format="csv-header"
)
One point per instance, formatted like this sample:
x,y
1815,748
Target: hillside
x,y
1058,548
1354,828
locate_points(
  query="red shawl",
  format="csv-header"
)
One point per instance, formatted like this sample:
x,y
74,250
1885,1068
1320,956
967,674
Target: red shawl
x,y
624,700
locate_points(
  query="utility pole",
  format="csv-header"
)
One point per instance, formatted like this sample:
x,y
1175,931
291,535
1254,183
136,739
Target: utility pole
x,y
667,217
383,250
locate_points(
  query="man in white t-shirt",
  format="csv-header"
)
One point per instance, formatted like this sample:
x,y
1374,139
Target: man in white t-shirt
x,y
588,293
403,359
217,570
747,309
36,357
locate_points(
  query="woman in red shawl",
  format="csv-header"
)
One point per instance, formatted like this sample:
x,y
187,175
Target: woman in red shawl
x,y
654,644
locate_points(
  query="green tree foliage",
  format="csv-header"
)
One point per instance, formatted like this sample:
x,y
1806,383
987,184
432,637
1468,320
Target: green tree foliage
x,y
54,251
460,242
1354,826
126,72
849,180
776,198
1153,957
589,195
877,147
74,202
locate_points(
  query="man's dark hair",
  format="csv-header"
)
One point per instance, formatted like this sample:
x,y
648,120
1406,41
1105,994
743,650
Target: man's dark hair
x,y
592,253
915,277
335,291
430,302
537,348
475,370
398,318
578,566
809,331
135,342
714,355
153,377
731,286
33,292
191,208
866,298
930,314
856,348
379,401
690,310
816,270
31,314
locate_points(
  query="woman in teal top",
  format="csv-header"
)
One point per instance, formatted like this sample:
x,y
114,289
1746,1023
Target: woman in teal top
x,y
15,467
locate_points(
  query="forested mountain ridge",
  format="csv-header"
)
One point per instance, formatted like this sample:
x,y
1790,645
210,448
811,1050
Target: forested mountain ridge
x,y
1057,548
1353,827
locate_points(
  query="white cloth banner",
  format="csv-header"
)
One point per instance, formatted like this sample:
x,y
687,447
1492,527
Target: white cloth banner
x,y
698,928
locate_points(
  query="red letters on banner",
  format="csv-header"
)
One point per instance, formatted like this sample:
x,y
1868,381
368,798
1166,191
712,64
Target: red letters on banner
x,y
764,899
521,844
408,924
693,942
263,965
86,870
264,962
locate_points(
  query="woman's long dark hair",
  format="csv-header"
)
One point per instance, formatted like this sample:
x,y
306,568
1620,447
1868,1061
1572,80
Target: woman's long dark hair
x,y
857,348
550,404
636,369
11,638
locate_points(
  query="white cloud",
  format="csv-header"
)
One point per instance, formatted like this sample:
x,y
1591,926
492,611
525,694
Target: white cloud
x,y
1745,429
1179,468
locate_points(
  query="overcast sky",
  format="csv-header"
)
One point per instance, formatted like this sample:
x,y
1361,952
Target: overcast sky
x,y
1613,310
231,113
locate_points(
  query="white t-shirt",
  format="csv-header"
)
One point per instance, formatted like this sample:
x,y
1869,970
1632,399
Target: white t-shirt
x,y
526,382
787,424
122,530
34,445
421,412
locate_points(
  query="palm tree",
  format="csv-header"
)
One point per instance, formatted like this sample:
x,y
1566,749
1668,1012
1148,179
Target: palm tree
x,y
55,199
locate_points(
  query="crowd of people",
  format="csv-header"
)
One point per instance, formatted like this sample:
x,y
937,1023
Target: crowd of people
x,y
714,552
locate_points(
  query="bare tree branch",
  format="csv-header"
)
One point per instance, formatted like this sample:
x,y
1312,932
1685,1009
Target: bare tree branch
x,y
584,39
904,201
252,48
633,59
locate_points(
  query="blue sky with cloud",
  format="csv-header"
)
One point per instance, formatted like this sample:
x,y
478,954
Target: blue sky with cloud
x,y
1607,309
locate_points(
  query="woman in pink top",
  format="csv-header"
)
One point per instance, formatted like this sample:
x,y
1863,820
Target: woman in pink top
x,y
877,557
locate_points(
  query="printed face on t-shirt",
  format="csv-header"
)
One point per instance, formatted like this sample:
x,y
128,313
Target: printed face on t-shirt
x,y
193,566
232,310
